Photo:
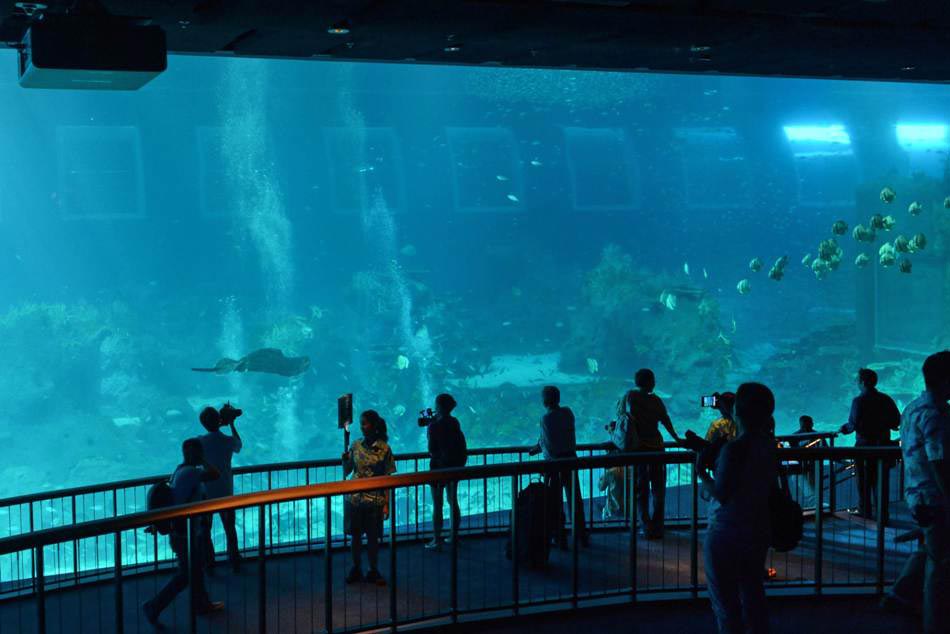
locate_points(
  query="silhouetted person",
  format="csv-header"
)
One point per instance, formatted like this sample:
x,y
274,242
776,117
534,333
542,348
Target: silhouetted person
x,y
724,427
806,425
218,449
737,539
640,413
188,485
447,449
873,416
924,428
559,440
365,512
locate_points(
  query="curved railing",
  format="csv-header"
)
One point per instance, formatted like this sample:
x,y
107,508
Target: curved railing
x,y
300,518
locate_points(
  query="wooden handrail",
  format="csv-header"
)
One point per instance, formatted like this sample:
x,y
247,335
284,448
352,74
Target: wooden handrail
x,y
290,494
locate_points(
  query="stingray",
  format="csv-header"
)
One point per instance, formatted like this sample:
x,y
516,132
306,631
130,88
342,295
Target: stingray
x,y
267,360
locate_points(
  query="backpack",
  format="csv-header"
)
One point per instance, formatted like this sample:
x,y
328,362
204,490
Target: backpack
x,y
625,436
786,519
159,497
458,456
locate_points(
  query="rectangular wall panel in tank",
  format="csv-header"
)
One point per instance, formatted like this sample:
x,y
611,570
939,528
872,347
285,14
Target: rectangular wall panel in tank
x,y
602,169
486,170
826,179
100,172
365,168
909,308
214,187
716,170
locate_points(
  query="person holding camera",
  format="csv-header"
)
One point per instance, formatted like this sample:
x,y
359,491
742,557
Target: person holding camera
x,y
640,413
187,484
447,450
723,427
219,449
737,539
365,511
558,440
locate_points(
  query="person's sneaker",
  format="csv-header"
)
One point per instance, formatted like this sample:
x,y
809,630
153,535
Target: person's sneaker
x,y
434,544
354,575
374,577
210,607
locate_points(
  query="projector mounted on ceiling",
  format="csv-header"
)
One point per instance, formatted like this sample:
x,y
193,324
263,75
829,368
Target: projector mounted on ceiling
x,y
91,52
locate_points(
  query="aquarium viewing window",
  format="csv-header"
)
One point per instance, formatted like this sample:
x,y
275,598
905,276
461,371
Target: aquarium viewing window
x,y
599,162
715,169
363,162
486,169
825,167
100,172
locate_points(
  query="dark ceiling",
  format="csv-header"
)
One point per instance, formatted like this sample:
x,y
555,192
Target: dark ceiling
x,y
860,39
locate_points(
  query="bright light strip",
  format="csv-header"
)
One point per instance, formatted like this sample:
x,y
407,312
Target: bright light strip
x,y
817,134
922,135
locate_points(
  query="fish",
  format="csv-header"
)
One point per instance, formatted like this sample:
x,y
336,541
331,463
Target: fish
x,y
915,208
839,228
904,266
733,325
512,198
946,202
501,178
506,323
806,259
536,163
918,242
399,410
888,195
862,260
402,362
409,250
668,299
705,274
755,265
265,360
744,287
592,365
724,339
686,267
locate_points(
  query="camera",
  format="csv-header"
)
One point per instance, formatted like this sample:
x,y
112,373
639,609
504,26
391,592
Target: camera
x,y
709,401
229,414
426,417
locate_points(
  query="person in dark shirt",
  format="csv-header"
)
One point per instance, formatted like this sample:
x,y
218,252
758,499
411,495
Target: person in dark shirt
x,y
737,537
447,449
640,413
806,425
873,416
188,485
558,440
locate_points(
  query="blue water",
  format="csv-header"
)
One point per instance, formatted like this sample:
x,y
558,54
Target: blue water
x,y
417,229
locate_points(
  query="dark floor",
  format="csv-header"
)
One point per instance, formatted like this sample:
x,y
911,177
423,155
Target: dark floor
x,y
296,587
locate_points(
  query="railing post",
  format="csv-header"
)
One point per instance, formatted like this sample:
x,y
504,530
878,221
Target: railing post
x,y
75,545
485,498
308,501
393,616
590,492
262,568
881,506
39,586
328,563
454,569
819,521
694,534
832,482
190,563
631,503
575,535
515,582
117,575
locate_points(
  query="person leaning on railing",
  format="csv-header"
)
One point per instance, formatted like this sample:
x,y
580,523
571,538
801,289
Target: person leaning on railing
x,y
364,512
447,449
737,539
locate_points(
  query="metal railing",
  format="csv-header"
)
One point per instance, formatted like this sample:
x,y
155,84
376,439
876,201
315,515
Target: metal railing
x,y
294,532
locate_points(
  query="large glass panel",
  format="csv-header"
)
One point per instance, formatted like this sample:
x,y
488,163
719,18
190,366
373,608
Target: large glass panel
x,y
301,229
